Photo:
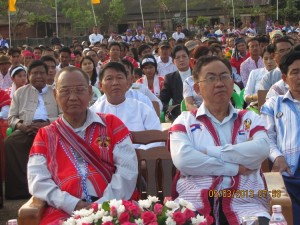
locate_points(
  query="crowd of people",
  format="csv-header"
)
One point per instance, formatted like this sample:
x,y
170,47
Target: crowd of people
x,y
72,108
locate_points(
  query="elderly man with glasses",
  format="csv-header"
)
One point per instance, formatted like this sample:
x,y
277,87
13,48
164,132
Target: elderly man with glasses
x,y
219,150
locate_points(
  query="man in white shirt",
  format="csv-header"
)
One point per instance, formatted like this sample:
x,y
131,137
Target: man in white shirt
x,y
165,64
64,58
96,36
219,32
5,79
136,115
178,34
159,34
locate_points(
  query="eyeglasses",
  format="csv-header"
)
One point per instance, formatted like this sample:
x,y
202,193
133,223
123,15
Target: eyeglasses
x,y
65,92
212,79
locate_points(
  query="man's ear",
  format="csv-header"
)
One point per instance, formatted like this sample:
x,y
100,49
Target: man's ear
x,y
283,77
100,86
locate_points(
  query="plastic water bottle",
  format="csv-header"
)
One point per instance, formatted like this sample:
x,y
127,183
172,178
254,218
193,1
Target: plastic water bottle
x,y
277,217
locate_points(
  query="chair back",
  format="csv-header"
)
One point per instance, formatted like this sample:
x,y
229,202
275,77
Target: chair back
x,y
156,169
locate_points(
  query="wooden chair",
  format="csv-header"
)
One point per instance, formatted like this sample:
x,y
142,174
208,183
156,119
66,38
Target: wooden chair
x,y
156,169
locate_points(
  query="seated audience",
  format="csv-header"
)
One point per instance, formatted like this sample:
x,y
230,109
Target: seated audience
x,y
173,84
136,115
19,78
250,94
151,78
33,106
219,150
4,104
82,157
281,114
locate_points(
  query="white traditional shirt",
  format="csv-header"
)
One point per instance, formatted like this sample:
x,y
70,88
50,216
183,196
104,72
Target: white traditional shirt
x,y
281,114
136,115
208,153
41,111
247,66
253,83
5,81
279,88
177,35
122,180
95,38
165,68
161,35
270,78
189,91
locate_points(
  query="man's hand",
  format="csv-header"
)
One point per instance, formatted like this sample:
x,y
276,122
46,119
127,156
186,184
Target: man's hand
x,y
280,165
244,170
81,204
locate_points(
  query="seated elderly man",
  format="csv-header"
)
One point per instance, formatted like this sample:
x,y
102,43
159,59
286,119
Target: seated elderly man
x,y
281,114
81,157
219,150
33,106
135,115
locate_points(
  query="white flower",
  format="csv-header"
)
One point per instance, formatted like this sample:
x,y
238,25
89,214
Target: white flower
x,y
70,221
153,199
115,203
198,219
170,221
88,219
139,221
169,213
171,204
99,214
190,206
183,202
120,209
107,219
83,212
145,203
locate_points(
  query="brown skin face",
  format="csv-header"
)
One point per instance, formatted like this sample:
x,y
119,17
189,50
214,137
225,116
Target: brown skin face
x,y
38,77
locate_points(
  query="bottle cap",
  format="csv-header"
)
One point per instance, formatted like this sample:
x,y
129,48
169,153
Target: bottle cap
x,y
276,208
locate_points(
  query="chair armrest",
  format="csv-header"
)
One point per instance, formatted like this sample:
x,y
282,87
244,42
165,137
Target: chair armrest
x,y
279,195
31,212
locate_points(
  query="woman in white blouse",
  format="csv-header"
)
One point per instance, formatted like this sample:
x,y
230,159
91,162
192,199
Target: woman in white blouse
x,y
250,94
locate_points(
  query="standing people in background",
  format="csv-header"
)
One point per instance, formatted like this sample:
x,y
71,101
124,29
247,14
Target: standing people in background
x,y
277,26
5,79
128,38
287,27
139,34
253,62
219,32
165,64
55,39
159,34
3,42
178,34
230,29
95,36
38,97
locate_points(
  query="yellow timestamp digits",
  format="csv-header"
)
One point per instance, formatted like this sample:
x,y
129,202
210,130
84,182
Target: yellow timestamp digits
x,y
276,193
227,193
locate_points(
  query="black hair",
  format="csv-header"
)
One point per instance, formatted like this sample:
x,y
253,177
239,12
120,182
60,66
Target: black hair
x,y
251,40
114,44
128,63
142,48
65,49
47,58
17,71
201,51
203,61
112,65
138,71
279,40
287,60
36,63
76,52
12,51
94,75
269,48
153,63
178,48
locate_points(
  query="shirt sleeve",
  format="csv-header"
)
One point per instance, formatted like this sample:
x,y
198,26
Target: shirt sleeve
x,y
250,87
123,181
187,89
191,161
265,83
250,153
244,73
4,112
13,115
267,115
42,186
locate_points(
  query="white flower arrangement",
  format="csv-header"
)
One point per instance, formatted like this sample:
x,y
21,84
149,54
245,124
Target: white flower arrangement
x,y
145,212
